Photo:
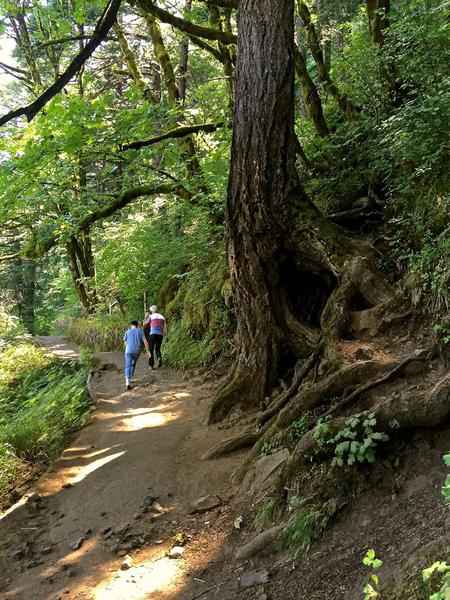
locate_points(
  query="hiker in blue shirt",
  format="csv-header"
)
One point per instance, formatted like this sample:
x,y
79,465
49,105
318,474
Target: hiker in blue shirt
x,y
133,340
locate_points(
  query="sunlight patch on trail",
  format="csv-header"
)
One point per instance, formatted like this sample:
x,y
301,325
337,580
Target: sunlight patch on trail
x,y
139,581
77,474
142,418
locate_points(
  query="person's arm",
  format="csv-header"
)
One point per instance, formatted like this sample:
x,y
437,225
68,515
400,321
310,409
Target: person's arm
x,y
145,321
144,339
125,340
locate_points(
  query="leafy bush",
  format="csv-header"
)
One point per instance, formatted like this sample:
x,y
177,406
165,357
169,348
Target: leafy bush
x,y
356,442
100,333
287,438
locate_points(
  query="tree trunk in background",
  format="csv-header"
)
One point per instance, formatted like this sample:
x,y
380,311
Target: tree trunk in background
x,y
215,22
310,95
184,58
82,269
265,205
378,15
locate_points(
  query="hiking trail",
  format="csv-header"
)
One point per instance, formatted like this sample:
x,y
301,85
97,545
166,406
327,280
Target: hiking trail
x,y
140,444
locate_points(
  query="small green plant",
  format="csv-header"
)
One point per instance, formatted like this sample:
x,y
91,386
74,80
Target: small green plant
x,y
321,430
264,515
442,570
443,331
306,526
357,441
288,438
371,589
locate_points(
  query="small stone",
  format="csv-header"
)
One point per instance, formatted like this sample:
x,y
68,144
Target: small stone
x,y
105,530
17,554
156,507
127,563
46,550
34,497
205,503
176,552
238,522
88,532
159,541
107,535
67,485
252,578
148,501
122,553
71,573
77,545
363,354
137,516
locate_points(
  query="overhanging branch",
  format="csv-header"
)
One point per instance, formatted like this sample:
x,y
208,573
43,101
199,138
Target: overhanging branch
x,y
187,26
101,30
179,132
40,248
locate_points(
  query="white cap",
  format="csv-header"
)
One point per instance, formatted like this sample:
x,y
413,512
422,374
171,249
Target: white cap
x,y
153,308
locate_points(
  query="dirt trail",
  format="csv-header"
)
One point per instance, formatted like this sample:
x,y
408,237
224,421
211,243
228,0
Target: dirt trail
x,y
140,443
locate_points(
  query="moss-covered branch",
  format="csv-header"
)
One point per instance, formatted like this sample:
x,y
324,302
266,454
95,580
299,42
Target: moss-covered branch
x,y
179,132
39,248
187,26
342,99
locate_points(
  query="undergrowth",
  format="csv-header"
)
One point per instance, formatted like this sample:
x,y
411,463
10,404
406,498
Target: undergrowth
x,y
307,525
41,400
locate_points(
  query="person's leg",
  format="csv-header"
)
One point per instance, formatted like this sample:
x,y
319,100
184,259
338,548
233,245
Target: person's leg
x,y
152,342
158,343
134,361
128,368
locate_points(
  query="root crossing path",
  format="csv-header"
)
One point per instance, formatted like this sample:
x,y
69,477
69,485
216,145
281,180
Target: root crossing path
x,y
100,522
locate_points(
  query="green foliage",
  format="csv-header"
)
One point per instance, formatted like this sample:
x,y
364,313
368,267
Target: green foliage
x,y
307,525
441,571
355,443
41,400
264,515
99,334
287,438
12,469
371,590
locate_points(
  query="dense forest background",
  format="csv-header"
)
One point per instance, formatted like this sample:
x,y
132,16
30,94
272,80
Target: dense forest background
x,y
102,226
274,176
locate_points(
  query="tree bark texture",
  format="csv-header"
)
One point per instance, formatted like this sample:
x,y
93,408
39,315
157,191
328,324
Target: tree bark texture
x,y
262,187
378,15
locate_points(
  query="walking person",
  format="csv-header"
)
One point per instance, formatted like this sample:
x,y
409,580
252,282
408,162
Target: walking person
x,y
133,340
158,329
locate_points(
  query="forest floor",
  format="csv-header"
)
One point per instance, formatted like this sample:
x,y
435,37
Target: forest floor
x,y
91,529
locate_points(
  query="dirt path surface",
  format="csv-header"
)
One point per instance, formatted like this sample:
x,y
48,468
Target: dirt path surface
x,y
98,496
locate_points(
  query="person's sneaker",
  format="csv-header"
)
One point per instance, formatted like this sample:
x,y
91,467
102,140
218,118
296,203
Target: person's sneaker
x,y
159,363
129,387
150,368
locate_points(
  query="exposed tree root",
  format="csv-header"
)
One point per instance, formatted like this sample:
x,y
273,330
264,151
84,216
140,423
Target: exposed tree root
x,y
286,396
243,440
310,397
394,416
371,384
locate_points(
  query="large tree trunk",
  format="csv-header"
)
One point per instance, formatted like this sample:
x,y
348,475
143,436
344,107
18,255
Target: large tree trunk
x,y
293,274
263,191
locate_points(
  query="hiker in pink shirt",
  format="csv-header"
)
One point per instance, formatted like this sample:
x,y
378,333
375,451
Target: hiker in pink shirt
x,y
155,323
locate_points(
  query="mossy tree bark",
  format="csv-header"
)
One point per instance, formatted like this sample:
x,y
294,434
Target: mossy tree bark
x,y
265,202
293,274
